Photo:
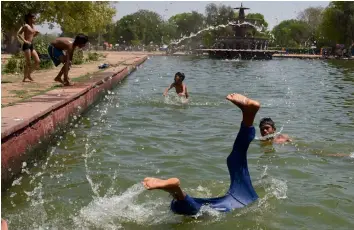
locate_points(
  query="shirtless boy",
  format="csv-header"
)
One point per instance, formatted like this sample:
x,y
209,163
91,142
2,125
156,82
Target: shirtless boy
x,y
55,50
181,88
29,32
267,129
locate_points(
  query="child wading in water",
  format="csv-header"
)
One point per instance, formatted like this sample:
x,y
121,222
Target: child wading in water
x,y
29,33
181,88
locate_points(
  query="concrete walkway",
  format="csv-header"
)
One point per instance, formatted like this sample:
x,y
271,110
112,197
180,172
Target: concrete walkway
x,y
26,111
26,123
300,56
13,90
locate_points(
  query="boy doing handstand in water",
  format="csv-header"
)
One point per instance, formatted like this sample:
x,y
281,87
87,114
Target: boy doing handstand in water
x,y
241,192
181,88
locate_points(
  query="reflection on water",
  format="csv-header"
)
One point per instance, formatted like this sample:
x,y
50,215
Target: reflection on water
x,y
90,176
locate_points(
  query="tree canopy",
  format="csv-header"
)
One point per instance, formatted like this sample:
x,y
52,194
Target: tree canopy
x,y
141,27
218,15
260,21
187,23
316,25
74,16
71,16
334,24
338,23
312,16
291,33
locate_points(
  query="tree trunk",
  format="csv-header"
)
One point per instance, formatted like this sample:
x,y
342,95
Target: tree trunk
x,y
12,44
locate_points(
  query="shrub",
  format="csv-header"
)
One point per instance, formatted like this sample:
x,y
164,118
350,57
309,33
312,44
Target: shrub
x,y
46,64
93,56
16,65
11,65
78,57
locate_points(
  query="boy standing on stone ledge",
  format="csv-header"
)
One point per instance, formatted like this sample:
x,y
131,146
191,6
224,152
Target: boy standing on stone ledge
x,y
55,51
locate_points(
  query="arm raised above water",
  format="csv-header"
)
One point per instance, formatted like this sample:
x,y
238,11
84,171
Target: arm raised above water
x,y
168,88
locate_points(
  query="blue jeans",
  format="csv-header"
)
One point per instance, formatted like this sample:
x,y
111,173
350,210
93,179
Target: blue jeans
x,y
241,192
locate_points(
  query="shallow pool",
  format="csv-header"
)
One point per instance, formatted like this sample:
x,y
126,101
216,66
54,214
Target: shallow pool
x,y
90,178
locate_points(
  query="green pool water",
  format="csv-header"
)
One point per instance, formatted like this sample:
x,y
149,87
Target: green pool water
x,y
90,178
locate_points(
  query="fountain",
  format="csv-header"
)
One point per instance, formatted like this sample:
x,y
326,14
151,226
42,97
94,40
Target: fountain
x,y
243,44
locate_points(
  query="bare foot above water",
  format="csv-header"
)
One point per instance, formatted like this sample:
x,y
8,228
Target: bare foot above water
x,y
151,183
243,102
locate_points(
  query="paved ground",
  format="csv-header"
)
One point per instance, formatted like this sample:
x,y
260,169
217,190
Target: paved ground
x,y
309,56
14,90
17,116
25,123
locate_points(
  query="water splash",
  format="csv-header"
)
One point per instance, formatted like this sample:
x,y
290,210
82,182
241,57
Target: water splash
x,y
273,187
87,155
258,28
36,213
231,60
110,212
110,102
174,99
197,33
270,136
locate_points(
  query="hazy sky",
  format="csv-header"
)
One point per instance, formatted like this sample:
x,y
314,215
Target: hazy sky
x,y
273,11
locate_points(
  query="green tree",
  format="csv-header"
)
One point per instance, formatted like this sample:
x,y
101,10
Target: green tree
x,y
12,17
259,20
77,16
144,25
338,23
169,31
125,29
291,33
71,16
110,36
218,15
187,23
312,16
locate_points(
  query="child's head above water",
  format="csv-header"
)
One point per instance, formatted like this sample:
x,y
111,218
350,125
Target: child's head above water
x,y
267,126
179,77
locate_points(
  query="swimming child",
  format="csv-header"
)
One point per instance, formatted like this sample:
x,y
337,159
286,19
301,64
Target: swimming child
x,y
181,88
55,50
29,32
267,129
241,192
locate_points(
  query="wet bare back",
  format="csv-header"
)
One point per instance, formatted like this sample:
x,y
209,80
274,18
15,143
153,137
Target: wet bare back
x,y
63,43
179,89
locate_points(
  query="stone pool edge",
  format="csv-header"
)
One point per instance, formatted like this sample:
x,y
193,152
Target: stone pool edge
x,y
17,142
